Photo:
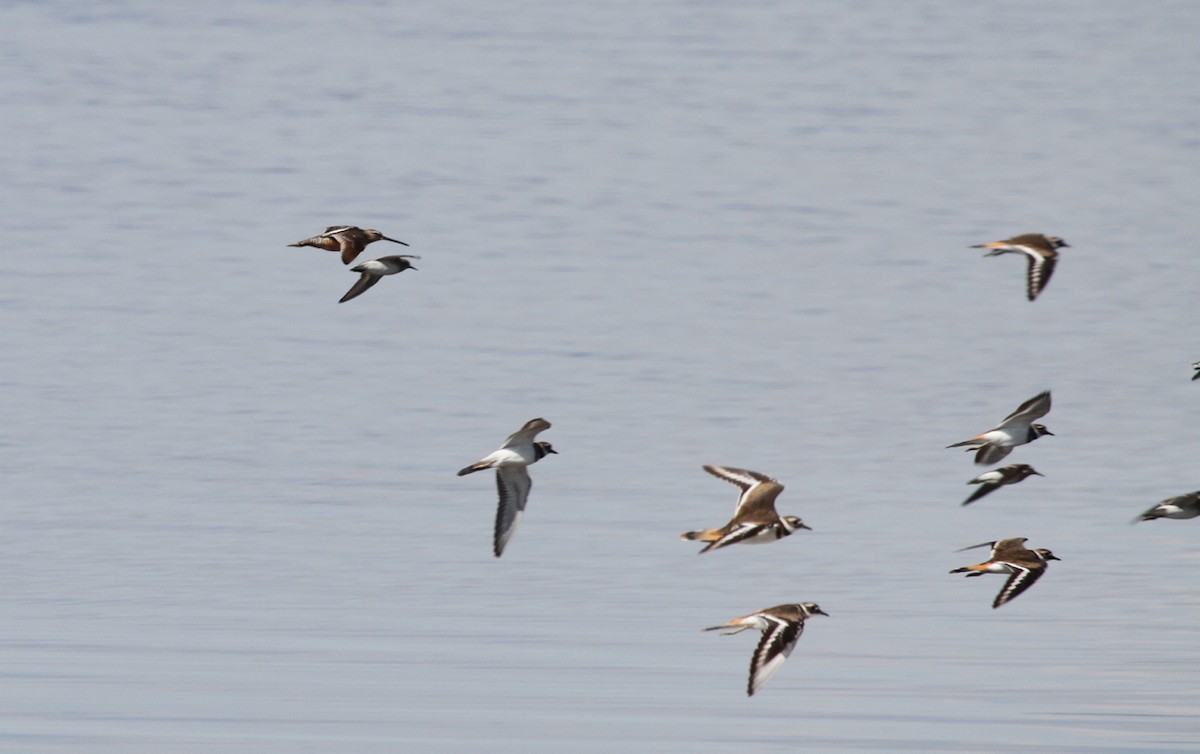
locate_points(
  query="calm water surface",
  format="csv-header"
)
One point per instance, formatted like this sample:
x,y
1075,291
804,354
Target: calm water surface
x,y
685,233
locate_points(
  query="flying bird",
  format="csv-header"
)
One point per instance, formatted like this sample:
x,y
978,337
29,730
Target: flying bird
x,y
781,627
754,519
348,240
1010,556
511,463
373,271
990,481
1016,429
1041,251
1181,506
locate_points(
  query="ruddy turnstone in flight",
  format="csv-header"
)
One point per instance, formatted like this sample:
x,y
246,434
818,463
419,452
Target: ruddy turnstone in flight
x,y
1010,556
781,626
1041,251
754,519
990,481
511,463
348,240
1016,429
1181,506
373,271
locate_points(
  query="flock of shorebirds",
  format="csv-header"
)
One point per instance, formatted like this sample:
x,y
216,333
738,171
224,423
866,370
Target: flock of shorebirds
x,y
755,520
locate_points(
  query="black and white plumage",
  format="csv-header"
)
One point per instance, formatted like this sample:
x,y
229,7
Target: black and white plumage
x,y
1041,252
511,463
755,520
1016,429
347,240
990,481
373,271
1180,506
781,627
1010,556
1196,366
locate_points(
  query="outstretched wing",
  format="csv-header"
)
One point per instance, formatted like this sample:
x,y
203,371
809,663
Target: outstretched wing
x,y
987,454
776,644
737,534
1022,578
365,281
999,545
758,490
525,435
513,483
985,489
1041,267
1034,408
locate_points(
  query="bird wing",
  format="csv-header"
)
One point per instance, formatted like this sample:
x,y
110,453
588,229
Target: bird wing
x,y
1041,267
1034,408
988,453
758,490
1013,549
997,545
984,489
777,642
736,534
350,243
513,483
365,281
525,435
1022,578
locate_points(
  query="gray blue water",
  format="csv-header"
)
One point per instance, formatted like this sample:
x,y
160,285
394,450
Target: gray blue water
x,y
683,232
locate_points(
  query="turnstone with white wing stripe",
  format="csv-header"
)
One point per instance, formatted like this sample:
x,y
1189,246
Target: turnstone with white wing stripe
x,y
1010,556
781,627
755,520
1041,251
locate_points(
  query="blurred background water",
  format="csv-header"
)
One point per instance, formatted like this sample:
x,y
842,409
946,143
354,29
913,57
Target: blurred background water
x,y
683,232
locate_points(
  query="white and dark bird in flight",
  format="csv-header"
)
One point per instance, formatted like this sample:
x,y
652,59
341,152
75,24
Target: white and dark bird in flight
x,y
373,271
1016,429
511,462
990,481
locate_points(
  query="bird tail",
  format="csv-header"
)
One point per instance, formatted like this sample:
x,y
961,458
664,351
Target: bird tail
x,y
733,625
704,535
473,468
